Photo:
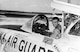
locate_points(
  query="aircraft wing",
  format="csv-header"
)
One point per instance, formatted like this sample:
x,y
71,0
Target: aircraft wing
x,y
67,7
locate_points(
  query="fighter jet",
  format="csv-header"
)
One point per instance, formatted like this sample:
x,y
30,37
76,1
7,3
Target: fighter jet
x,y
34,35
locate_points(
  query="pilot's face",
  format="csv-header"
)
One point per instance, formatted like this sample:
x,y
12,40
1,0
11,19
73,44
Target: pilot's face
x,y
55,22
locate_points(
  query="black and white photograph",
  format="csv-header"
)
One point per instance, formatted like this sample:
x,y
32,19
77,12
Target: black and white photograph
x,y
39,25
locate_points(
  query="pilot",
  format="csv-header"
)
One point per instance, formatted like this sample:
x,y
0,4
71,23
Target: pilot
x,y
57,28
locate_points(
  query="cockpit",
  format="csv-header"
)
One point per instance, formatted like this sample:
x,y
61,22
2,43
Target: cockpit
x,y
38,24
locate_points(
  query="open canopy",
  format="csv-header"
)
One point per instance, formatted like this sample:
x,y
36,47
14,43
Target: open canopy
x,y
66,7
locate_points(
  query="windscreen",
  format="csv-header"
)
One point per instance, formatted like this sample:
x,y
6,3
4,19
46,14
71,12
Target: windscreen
x,y
28,25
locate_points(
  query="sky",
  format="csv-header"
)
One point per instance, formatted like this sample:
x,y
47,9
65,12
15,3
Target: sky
x,y
30,5
26,5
